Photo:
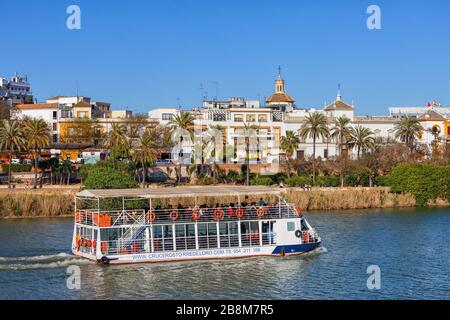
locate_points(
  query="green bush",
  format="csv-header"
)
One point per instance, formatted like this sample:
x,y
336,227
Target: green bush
x,y
279,177
327,181
17,167
108,178
299,181
204,180
233,176
261,181
424,181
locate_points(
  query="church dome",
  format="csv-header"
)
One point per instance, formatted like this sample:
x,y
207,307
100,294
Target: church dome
x,y
280,98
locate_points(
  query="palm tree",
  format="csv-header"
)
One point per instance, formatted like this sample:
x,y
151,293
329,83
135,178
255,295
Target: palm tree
x,y
182,121
37,134
361,138
408,130
11,137
144,153
314,126
341,132
289,144
114,140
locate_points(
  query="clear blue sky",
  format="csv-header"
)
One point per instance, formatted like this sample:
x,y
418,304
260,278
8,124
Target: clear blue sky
x,y
143,54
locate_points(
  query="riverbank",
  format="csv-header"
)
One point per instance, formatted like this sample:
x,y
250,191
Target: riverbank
x,y
58,202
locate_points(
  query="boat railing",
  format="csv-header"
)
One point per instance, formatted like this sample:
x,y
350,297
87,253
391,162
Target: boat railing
x,y
187,243
172,216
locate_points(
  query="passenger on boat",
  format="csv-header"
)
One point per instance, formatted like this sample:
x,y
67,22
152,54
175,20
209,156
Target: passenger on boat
x,y
262,203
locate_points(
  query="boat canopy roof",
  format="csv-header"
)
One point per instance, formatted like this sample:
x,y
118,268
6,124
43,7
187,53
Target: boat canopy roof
x,y
164,192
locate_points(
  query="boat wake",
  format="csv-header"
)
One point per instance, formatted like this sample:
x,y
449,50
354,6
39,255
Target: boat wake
x,y
59,260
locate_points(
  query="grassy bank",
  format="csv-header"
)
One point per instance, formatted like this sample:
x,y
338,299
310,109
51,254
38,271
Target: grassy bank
x,y
36,203
349,198
54,203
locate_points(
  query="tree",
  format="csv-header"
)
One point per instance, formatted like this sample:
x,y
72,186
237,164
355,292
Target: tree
x,y
408,130
289,144
341,132
145,154
115,141
182,121
435,132
37,135
11,137
362,139
314,126
108,178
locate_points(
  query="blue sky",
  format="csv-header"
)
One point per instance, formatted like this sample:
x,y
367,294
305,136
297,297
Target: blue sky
x,y
143,54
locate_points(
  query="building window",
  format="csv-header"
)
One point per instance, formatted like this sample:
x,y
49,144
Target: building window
x,y
238,118
325,153
250,118
55,115
55,138
167,116
262,118
54,126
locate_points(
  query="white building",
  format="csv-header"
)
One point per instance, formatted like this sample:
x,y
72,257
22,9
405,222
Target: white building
x,y
280,114
17,89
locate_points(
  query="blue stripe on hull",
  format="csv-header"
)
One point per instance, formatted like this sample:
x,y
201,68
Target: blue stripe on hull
x,y
296,248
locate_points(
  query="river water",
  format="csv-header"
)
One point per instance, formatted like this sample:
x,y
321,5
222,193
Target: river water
x,y
411,248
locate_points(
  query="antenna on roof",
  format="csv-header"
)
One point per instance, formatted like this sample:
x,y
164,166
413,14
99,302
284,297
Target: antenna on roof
x,y
339,97
78,97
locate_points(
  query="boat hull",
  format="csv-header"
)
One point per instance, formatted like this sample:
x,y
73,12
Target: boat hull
x,y
207,254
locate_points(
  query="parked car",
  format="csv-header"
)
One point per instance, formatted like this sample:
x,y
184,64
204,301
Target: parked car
x,y
15,161
164,161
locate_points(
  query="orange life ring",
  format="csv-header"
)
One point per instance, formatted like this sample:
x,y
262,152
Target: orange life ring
x,y
173,215
239,213
218,214
94,244
261,212
298,211
150,216
84,243
104,246
89,243
196,215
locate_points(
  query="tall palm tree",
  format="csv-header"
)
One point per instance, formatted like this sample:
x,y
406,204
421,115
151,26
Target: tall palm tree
x,y
37,135
289,144
11,137
408,130
314,126
115,139
247,133
362,139
341,132
182,121
145,153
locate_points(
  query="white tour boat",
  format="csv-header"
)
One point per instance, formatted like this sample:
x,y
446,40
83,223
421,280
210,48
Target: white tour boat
x,y
132,225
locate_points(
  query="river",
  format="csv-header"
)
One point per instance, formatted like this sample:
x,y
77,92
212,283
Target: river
x,y
410,246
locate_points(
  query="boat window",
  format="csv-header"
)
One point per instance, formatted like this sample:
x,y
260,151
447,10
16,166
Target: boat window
x,y
291,226
180,230
212,229
168,231
202,229
223,228
254,226
265,227
157,232
190,230
304,226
